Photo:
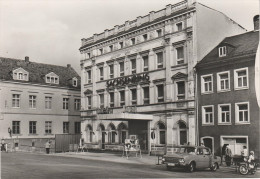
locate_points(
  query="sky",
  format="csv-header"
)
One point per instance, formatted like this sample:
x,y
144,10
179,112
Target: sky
x,y
50,31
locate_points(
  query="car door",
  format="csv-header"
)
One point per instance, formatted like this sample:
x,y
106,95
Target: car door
x,y
199,158
206,157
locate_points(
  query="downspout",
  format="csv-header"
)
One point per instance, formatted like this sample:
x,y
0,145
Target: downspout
x,y
196,107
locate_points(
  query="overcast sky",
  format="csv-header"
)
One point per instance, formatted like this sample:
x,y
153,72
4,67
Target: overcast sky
x,y
49,31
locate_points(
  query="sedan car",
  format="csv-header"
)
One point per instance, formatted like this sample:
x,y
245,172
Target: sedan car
x,y
191,158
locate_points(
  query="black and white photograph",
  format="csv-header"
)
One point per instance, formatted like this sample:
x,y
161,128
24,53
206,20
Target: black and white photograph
x,y
129,89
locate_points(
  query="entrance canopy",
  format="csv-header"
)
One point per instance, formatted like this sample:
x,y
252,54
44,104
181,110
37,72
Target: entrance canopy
x,y
125,116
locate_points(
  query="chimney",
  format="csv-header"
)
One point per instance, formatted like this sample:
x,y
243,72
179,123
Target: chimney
x,y
68,65
26,59
256,22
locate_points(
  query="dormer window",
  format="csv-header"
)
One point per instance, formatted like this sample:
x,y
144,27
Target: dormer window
x,y
20,74
52,78
222,51
75,82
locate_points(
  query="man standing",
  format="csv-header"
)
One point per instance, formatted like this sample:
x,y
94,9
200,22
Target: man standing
x,y
244,152
228,155
47,147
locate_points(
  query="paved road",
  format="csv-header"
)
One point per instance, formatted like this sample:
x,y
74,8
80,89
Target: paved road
x,y
28,165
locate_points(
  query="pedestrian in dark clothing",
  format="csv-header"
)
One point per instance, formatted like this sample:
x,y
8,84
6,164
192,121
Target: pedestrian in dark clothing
x,y
47,147
228,154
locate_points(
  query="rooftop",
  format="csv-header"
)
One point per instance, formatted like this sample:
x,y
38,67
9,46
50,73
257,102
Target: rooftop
x,y
37,72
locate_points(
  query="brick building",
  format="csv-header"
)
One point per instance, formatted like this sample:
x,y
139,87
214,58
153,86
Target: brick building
x,y
37,101
138,80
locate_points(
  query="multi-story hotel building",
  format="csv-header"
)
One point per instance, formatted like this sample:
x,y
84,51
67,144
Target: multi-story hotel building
x,y
228,111
137,78
37,101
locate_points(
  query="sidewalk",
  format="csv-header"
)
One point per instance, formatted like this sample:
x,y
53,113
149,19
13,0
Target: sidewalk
x,y
146,159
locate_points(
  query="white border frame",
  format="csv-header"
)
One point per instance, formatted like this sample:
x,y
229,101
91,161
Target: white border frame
x,y
237,115
236,79
219,114
218,81
202,84
203,115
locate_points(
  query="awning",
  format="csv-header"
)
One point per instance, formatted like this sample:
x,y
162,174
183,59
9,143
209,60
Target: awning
x,y
125,116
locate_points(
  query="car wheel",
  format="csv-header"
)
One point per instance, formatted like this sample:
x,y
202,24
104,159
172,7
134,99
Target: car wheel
x,y
191,167
214,167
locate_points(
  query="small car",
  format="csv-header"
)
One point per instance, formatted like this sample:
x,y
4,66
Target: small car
x,y
191,158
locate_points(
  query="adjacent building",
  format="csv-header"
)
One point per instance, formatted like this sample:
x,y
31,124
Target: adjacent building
x,y
138,77
37,101
228,112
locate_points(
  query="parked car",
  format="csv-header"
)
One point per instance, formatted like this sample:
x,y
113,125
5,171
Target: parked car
x,y
191,158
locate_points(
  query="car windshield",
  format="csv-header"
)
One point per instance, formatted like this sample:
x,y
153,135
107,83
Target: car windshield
x,y
181,150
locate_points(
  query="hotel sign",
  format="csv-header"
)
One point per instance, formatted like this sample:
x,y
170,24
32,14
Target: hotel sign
x,y
134,79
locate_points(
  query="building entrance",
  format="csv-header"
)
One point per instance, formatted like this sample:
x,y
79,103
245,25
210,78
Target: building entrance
x,y
139,129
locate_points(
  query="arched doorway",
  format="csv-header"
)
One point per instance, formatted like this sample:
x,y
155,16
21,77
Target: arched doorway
x,y
89,133
102,132
208,142
161,133
122,131
111,133
182,133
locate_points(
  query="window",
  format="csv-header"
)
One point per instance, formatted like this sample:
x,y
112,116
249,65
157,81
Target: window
x,y
77,126
159,56
16,101
159,32
89,76
20,74
88,55
146,94
101,73
133,41
89,102
122,98
101,100
207,82
16,127
179,26
180,55
160,92
133,66
133,97
224,113
242,112
145,37
207,114
65,103
65,127
76,104
32,127
52,78
110,48
111,71
48,126
48,102
100,51
241,78
75,82
122,68
32,101
146,65
223,81
111,134
222,51
161,129
121,44
181,90
111,98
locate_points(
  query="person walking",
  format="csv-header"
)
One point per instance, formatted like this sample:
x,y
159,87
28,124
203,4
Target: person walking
x,y
47,147
228,155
